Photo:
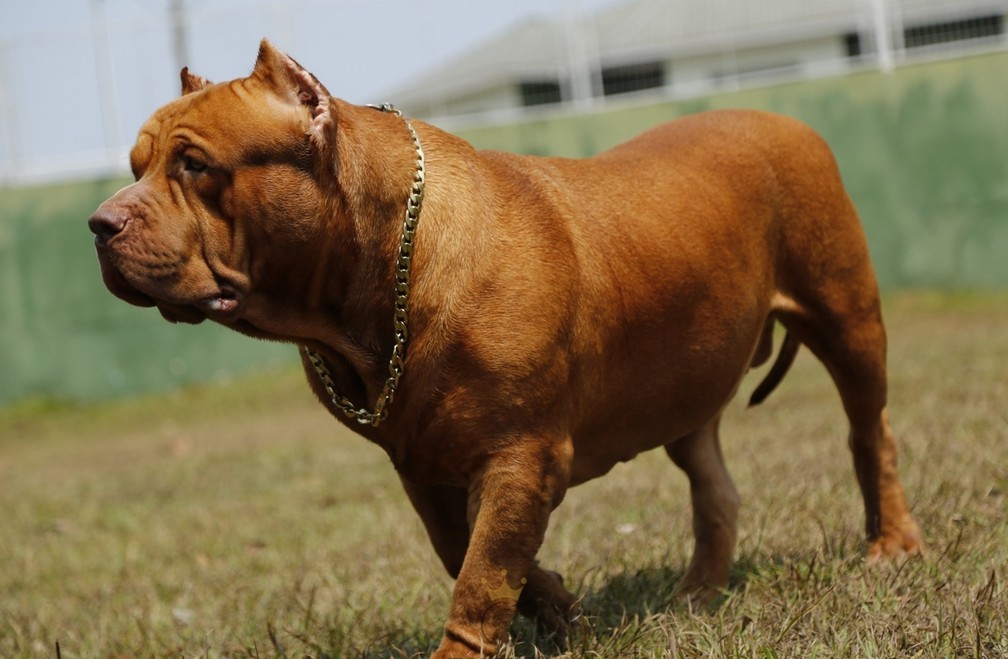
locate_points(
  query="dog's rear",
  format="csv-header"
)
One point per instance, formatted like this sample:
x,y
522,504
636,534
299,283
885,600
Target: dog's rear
x,y
725,223
828,299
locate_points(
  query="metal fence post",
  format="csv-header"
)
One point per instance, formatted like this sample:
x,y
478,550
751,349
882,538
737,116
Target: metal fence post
x,y
13,157
108,98
882,25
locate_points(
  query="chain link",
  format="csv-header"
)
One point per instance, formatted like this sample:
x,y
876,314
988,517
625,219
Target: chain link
x,y
400,318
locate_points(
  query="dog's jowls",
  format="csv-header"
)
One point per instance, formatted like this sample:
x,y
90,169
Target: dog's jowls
x,y
564,315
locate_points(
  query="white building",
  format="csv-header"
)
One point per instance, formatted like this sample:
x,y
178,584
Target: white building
x,y
691,47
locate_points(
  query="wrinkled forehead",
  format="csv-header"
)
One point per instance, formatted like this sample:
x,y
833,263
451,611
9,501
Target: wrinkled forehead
x,y
230,113
179,115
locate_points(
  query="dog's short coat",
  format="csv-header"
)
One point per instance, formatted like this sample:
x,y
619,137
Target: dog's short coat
x,y
565,315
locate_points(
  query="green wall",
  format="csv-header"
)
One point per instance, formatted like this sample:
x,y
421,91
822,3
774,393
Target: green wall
x,y
924,152
63,335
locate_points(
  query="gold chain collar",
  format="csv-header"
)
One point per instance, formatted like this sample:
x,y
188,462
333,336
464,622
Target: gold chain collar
x,y
401,315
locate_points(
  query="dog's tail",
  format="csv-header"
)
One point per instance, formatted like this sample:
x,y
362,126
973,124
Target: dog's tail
x,y
786,356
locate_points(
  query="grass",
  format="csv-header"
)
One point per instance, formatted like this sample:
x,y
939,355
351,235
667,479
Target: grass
x,y
241,521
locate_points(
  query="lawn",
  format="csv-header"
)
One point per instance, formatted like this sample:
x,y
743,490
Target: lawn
x,y
240,521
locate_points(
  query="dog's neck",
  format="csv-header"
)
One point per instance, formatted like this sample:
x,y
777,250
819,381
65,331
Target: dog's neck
x,y
375,165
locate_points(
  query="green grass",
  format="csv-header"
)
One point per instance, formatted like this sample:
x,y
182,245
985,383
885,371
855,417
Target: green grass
x,y
241,521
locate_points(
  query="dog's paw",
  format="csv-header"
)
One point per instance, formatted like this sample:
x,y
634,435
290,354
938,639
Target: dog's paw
x,y
698,596
905,540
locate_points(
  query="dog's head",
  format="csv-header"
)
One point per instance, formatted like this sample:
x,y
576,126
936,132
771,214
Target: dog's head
x,y
226,177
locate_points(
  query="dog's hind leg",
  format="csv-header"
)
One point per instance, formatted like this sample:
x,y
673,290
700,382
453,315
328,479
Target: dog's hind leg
x,y
890,529
850,340
828,298
715,512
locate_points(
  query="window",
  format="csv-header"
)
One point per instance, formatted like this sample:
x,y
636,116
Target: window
x,y
540,92
632,78
978,27
852,40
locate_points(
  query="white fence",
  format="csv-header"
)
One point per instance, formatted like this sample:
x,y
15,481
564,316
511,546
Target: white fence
x,y
74,90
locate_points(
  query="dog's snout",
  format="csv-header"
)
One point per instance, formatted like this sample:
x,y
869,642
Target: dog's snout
x,y
105,224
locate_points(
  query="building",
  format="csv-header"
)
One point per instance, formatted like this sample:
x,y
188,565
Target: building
x,y
693,47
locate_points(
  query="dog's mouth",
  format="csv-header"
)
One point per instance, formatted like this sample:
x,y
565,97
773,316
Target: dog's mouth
x,y
221,304
225,302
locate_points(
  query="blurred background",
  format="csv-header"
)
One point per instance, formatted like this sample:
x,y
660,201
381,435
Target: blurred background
x,y
911,94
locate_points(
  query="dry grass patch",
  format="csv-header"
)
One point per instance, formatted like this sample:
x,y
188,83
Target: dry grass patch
x,y
241,521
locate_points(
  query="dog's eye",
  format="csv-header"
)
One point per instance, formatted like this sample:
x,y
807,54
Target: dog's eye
x,y
193,164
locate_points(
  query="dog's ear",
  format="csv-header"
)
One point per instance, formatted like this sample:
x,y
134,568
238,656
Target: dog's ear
x,y
293,82
192,82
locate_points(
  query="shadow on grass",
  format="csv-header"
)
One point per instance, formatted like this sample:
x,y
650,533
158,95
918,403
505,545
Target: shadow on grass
x,y
638,594
615,617
636,607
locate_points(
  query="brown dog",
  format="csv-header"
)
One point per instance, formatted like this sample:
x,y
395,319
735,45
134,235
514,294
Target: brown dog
x,y
560,315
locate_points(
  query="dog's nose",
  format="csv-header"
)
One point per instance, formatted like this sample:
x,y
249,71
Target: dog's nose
x,y
106,224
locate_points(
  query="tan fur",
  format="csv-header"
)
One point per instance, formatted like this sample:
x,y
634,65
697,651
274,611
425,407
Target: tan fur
x,y
565,315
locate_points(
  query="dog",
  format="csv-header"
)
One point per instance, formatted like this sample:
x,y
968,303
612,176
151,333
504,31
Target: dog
x,y
521,324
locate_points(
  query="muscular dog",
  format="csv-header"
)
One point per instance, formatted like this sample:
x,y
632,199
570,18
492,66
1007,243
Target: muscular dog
x,y
523,323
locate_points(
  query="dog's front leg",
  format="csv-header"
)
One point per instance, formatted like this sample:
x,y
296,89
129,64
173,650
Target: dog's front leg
x,y
509,506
